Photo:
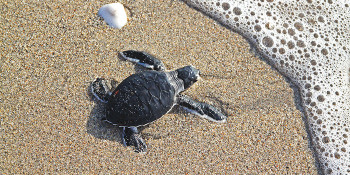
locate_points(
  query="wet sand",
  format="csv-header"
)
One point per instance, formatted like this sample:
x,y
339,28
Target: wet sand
x,y
51,52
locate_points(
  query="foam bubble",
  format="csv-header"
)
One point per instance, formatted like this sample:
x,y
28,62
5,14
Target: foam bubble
x,y
308,42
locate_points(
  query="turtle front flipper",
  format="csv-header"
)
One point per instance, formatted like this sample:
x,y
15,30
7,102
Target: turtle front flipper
x,y
201,109
131,136
142,58
100,89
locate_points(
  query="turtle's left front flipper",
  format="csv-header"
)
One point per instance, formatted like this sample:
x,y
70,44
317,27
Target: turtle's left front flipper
x,y
201,109
142,58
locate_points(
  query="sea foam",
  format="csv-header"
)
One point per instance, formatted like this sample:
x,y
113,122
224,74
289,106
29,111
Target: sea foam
x,y
307,41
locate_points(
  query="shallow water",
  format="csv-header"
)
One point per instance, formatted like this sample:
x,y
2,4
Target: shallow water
x,y
307,42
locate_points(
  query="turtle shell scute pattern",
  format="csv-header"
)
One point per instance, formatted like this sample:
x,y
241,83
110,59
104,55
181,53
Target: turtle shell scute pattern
x,y
141,99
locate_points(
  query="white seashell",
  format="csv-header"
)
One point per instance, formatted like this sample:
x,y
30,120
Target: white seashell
x,y
114,14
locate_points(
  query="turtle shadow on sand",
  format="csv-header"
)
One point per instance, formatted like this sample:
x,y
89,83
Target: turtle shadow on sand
x,y
95,125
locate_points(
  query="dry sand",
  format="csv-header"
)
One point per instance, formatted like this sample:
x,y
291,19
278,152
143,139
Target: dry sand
x,y
50,53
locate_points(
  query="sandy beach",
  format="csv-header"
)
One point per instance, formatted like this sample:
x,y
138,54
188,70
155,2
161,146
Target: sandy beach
x,y
52,51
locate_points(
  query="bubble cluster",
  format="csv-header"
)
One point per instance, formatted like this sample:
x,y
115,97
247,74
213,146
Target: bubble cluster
x,y
307,41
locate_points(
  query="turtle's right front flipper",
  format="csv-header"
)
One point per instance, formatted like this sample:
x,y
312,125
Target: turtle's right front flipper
x,y
142,58
202,109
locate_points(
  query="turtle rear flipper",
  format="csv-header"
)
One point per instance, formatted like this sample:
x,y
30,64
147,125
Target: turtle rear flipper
x,y
100,90
131,136
201,109
142,58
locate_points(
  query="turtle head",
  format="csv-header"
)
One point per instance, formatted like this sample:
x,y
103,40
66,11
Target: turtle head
x,y
189,75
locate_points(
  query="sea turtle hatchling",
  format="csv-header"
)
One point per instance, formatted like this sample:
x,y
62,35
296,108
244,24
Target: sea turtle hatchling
x,y
145,97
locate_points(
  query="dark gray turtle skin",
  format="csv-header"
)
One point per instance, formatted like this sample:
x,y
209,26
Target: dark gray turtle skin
x,y
145,97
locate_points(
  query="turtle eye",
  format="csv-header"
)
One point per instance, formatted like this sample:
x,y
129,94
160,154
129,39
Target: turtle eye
x,y
159,68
